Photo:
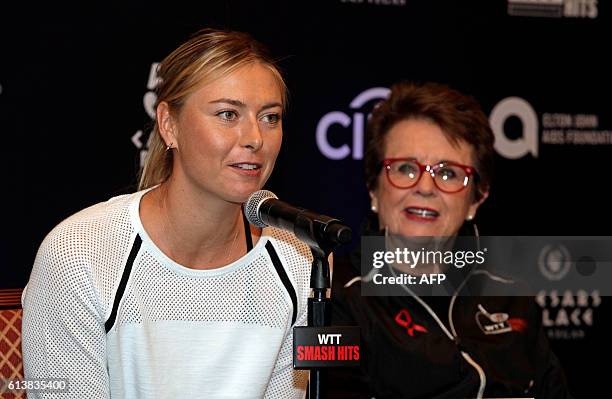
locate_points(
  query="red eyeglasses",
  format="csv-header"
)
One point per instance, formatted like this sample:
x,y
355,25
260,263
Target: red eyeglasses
x,y
449,177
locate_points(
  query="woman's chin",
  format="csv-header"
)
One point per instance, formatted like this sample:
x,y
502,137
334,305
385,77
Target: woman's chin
x,y
422,230
239,197
241,193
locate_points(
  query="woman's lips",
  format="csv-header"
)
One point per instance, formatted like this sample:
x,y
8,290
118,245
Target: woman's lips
x,y
421,214
247,168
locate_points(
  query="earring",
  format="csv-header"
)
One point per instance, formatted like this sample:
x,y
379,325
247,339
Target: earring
x,y
169,146
373,208
469,218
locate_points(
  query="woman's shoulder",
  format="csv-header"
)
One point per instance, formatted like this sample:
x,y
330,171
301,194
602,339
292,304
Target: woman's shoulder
x,y
291,247
95,222
94,239
294,255
85,252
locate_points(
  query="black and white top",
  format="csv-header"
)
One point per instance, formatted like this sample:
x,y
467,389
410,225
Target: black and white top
x,y
106,309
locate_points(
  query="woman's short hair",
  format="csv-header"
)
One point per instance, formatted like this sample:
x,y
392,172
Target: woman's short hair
x,y
208,55
459,116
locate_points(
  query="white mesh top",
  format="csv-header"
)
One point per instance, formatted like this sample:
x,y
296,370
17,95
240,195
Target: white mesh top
x,y
107,310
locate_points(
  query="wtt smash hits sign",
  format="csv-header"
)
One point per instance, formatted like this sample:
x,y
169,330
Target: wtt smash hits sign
x,y
316,347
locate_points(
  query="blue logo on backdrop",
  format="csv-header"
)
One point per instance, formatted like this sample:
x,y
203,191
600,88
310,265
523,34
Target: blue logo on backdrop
x,y
357,121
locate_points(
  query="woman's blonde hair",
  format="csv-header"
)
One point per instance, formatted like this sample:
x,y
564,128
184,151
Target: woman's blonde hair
x,y
208,55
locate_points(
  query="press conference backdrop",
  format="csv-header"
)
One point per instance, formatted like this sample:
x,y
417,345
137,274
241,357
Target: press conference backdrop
x,y
76,106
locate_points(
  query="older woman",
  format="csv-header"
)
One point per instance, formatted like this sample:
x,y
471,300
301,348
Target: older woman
x,y
429,156
168,292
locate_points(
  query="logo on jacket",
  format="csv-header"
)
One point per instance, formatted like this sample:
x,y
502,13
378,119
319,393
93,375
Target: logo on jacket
x,y
404,319
498,323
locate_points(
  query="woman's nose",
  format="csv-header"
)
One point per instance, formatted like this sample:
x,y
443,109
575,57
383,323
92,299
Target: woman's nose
x,y
251,136
426,185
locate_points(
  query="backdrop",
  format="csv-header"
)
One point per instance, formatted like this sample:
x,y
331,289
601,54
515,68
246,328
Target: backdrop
x,y
76,104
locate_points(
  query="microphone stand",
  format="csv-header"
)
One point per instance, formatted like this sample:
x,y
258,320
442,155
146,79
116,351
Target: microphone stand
x,y
322,234
319,308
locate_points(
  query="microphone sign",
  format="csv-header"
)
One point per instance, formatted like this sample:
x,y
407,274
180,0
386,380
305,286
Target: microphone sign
x,y
321,347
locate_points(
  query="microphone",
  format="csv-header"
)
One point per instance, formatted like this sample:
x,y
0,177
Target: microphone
x,y
263,208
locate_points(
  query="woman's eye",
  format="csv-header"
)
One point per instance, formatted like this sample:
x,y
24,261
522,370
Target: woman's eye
x,y
227,115
447,173
272,119
406,168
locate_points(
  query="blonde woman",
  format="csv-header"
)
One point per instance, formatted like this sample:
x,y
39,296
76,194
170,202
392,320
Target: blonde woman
x,y
168,292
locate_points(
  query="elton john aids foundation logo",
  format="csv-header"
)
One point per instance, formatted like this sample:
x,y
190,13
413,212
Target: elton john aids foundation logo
x,y
357,122
528,141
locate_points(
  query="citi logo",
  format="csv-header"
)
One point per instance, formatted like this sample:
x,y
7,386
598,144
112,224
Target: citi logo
x,y
355,122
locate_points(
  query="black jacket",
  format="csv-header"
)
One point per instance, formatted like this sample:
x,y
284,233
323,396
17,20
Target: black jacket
x,y
406,354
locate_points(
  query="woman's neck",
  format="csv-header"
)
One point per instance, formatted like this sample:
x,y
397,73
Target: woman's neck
x,y
194,228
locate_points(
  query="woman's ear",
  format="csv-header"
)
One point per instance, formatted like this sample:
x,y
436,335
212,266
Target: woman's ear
x,y
373,201
473,208
166,125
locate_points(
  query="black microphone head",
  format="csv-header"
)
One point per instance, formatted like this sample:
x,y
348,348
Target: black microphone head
x,y
252,204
